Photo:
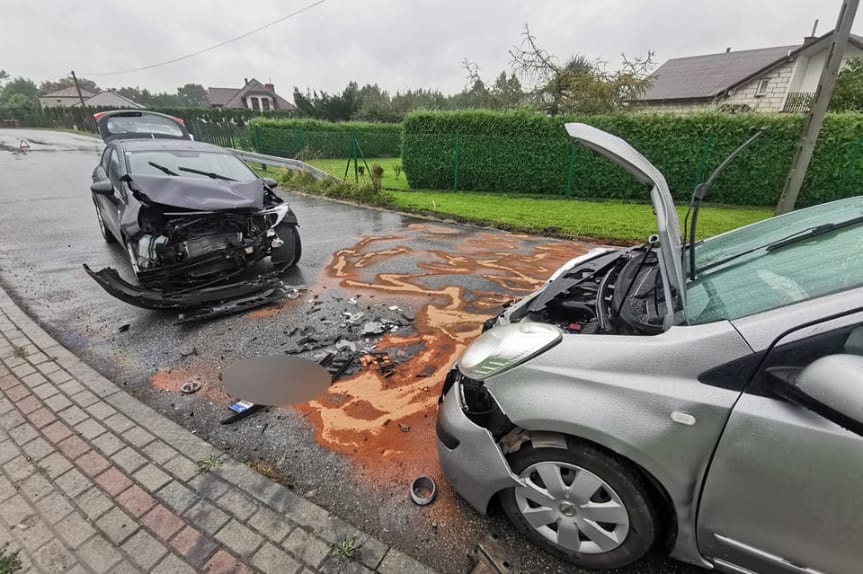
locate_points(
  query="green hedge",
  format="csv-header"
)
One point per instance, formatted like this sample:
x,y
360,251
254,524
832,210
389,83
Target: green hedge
x,y
320,139
531,153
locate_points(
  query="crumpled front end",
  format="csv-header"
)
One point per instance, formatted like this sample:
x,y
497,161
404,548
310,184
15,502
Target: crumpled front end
x,y
469,454
205,302
200,261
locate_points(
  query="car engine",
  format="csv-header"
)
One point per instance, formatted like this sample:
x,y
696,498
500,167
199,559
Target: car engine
x,y
187,248
618,293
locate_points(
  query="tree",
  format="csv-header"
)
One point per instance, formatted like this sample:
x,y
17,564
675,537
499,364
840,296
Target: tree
x,y
193,95
505,93
848,94
579,84
19,86
323,106
68,82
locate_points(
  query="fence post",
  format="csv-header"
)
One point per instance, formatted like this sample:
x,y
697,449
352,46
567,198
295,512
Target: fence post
x,y
702,165
850,165
570,174
456,160
257,131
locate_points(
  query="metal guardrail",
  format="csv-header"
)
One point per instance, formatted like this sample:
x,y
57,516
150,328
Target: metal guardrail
x,y
287,163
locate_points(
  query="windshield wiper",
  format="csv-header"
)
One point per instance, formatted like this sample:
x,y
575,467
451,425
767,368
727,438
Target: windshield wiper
x,y
162,168
210,174
812,232
789,240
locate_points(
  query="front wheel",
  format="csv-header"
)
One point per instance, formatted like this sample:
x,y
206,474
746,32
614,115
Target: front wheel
x,y
106,233
582,505
291,249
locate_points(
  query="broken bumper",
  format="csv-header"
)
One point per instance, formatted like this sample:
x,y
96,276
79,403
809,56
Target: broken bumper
x,y
469,456
205,302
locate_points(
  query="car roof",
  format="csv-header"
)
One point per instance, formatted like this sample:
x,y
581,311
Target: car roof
x,y
147,144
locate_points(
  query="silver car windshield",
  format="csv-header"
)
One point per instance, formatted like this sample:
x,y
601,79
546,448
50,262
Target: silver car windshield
x,y
744,275
189,164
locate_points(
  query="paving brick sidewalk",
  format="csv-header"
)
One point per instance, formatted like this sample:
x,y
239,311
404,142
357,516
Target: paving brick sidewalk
x,y
92,480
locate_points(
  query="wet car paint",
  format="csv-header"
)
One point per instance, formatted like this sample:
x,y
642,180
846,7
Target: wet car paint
x,y
345,451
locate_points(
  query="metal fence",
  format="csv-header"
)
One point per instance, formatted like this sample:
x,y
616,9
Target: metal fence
x,y
798,102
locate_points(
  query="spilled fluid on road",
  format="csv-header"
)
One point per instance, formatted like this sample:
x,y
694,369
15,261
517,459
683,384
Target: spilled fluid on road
x,y
386,420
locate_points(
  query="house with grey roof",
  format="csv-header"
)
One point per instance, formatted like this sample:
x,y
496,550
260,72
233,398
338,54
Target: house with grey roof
x,y
65,98
253,96
777,79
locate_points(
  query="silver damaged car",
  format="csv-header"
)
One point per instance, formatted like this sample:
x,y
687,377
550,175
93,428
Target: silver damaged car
x,y
698,398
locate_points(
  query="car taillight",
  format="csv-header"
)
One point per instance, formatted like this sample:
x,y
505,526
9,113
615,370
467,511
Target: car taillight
x,y
98,115
181,120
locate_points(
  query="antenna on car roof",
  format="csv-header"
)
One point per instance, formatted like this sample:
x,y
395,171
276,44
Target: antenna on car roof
x,y
698,198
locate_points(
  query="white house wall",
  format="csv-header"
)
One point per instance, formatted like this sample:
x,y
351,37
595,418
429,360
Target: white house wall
x,y
777,88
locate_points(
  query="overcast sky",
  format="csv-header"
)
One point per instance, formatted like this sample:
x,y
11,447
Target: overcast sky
x,y
396,43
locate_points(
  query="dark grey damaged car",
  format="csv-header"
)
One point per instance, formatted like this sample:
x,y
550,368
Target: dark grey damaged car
x,y
194,220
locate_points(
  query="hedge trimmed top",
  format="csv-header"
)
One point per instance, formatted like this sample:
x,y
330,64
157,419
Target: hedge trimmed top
x,y
531,153
317,138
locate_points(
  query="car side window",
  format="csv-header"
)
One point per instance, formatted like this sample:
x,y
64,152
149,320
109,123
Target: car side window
x,y
114,171
798,352
106,156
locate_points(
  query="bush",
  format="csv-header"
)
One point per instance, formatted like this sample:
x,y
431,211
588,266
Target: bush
x,y
287,138
530,153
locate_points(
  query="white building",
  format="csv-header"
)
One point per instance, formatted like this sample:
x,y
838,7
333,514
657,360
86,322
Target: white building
x,y
780,79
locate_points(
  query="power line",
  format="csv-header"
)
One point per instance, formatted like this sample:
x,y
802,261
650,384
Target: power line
x,y
210,48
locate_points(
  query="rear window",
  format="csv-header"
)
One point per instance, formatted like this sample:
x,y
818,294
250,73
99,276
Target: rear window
x,y
144,124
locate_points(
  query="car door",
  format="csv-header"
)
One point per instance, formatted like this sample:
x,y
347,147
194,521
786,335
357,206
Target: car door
x,y
111,206
783,491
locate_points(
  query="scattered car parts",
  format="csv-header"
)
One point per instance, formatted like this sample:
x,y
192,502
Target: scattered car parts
x,y
423,490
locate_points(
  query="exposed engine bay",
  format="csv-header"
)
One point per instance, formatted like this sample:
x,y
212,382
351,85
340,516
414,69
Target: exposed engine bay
x,y
618,293
176,249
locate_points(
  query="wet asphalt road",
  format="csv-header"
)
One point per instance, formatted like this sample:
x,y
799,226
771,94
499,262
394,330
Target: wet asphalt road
x,y
48,229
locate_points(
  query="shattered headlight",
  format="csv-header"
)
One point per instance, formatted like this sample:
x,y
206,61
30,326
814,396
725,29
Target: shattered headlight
x,y
276,214
505,347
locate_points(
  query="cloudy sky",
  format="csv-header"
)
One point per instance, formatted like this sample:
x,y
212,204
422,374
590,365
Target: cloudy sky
x,y
395,43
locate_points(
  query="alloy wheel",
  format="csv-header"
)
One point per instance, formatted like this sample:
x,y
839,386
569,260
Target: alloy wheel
x,y
572,507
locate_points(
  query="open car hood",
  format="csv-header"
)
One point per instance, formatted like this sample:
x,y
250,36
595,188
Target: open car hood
x,y
668,224
197,193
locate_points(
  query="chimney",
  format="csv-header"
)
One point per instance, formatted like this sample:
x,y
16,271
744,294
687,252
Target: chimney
x,y
728,50
245,81
270,86
811,37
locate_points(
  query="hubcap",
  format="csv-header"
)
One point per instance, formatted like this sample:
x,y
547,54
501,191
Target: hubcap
x,y
572,507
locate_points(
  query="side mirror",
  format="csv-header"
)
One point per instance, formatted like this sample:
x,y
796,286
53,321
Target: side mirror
x,y
104,187
832,386
270,182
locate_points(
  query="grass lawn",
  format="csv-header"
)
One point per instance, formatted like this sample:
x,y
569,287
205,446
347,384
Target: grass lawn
x,y
601,220
336,167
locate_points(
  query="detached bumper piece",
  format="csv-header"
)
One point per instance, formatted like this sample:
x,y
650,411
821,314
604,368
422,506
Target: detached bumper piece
x,y
196,304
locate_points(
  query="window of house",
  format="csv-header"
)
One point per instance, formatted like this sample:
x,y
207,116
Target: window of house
x,y
256,104
265,104
761,90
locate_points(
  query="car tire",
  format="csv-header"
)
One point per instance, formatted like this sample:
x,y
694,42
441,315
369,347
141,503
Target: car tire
x,y
593,485
106,233
291,250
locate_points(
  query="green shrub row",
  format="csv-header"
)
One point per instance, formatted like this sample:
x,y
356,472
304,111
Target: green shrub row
x,y
311,139
532,153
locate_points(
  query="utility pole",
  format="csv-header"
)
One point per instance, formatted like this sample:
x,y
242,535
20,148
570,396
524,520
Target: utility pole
x,y
815,117
80,97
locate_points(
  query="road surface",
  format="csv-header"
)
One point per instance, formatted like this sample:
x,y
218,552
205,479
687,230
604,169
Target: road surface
x,y
352,451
